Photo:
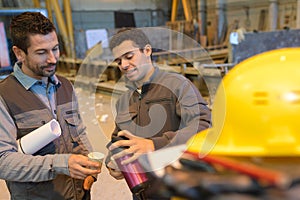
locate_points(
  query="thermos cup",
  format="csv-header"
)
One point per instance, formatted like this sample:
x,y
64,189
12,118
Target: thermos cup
x,y
133,172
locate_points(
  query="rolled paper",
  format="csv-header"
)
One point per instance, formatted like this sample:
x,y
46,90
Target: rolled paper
x,y
40,137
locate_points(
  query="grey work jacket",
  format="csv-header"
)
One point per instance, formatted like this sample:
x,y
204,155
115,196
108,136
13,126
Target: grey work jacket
x,y
169,110
44,175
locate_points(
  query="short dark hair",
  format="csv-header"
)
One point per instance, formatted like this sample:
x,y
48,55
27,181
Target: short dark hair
x,y
133,34
28,23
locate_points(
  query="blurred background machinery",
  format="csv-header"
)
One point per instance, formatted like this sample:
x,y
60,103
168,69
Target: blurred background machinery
x,y
227,30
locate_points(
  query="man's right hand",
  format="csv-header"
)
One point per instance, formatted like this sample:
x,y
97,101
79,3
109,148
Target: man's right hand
x,y
80,166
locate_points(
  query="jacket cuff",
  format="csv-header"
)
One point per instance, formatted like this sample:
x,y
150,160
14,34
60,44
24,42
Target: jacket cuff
x,y
60,164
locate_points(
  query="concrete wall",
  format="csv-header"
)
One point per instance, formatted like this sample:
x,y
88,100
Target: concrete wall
x,y
97,19
95,14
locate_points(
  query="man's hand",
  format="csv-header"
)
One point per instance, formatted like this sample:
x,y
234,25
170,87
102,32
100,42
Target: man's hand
x,y
114,170
80,167
136,146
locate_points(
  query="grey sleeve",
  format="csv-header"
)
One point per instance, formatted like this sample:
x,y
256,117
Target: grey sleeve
x,y
15,166
194,113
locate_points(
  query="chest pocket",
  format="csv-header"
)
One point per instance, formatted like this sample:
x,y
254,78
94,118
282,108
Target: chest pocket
x,y
165,102
163,110
29,121
75,127
162,101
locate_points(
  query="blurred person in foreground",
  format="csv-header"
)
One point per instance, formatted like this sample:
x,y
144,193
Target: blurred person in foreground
x,y
30,97
160,109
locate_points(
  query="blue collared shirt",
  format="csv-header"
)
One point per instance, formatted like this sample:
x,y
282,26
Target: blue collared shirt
x,y
45,89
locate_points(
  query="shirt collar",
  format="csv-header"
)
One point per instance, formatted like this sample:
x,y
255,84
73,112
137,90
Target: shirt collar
x,y
131,85
28,81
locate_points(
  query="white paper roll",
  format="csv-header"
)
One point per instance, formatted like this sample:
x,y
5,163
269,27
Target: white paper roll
x,y
40,137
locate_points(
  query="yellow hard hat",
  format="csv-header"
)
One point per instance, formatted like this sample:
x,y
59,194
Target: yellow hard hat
x,y
256,111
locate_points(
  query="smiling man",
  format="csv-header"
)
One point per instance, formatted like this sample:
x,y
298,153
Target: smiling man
x,y
160,109
29,98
